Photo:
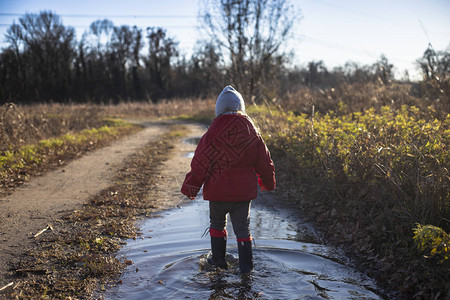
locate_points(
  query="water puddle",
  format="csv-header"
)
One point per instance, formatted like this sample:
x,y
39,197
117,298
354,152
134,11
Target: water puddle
x,y
169,261
191,141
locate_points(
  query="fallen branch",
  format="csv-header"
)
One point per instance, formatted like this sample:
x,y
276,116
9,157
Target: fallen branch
x,y
49,226
8,285
37,271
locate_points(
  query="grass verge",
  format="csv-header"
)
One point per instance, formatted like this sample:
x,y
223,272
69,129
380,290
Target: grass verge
x,y
22,125
17,165
78,256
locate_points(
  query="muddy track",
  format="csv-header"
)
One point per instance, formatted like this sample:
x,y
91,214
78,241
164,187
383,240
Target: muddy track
x,y
44,200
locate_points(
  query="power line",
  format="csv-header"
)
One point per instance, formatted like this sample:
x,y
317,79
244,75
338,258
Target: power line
x,y
110,16
334,45
361,13
425,31
113,17
87,26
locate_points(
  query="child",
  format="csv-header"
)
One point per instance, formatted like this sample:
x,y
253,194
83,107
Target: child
x,y
230,159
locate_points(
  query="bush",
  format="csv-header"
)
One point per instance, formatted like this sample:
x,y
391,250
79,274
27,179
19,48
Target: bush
x,y
433,240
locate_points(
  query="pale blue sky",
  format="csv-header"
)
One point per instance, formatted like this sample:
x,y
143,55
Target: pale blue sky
x,y
332,31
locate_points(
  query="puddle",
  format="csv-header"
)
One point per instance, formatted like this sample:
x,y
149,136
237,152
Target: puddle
x,y
192,140
170,262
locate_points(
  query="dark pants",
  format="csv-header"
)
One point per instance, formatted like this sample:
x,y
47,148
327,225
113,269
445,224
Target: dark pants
x,y
239,215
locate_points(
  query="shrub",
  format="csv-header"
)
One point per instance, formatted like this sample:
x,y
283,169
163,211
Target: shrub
x,y
433,240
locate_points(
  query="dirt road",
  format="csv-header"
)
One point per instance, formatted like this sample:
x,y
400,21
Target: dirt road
x,y
43,200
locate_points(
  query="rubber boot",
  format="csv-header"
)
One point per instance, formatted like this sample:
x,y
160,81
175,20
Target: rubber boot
x,y
245,256
218,249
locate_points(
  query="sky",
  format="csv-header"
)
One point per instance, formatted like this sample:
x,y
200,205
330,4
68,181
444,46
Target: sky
x,y
332,31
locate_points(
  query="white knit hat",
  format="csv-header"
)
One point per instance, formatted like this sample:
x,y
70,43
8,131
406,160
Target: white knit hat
x,y
229,100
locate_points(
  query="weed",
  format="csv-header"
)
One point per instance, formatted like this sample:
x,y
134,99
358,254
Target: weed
x,y
433,240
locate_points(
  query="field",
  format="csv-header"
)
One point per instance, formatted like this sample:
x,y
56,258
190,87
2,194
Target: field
x,y
368,165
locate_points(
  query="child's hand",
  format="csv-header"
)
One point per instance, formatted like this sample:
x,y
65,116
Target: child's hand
x,y
192,198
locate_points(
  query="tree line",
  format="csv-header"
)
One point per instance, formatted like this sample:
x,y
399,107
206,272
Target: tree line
x,y
43,60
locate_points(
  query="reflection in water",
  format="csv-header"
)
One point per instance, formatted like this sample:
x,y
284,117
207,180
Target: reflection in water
x,y
192,140
170,262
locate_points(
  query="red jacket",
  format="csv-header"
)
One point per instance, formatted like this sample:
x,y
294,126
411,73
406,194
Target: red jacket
x,y
229,159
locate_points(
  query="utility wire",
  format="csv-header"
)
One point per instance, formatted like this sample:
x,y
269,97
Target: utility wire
x,y
110,16
425,31
113,16
360,12
87,26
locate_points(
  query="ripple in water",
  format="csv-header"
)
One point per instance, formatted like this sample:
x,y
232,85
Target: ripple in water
x,y
170,262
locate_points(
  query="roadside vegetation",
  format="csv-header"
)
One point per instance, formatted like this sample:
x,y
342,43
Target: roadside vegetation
x,y
39,138
374,179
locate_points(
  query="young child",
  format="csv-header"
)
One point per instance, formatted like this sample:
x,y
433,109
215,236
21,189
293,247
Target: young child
x,y
230,159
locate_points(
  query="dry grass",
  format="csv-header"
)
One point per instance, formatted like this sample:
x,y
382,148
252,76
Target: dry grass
x,y
162,109
358,97
22,125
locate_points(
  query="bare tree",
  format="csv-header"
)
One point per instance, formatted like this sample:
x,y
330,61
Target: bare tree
x,y
435,67
43,48
249,35
384,70
434,64
206,69
162,51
